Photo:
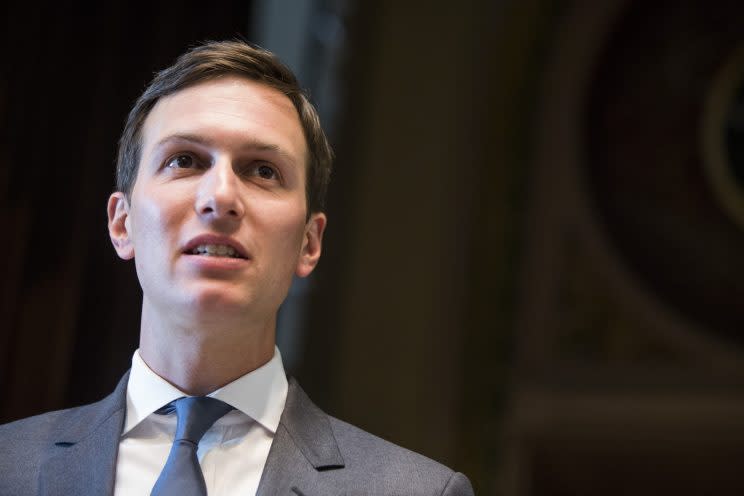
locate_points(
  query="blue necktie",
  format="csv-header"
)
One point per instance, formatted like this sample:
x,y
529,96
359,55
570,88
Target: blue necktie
x,y
182,475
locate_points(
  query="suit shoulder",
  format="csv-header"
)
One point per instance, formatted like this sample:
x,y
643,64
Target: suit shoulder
x,y
369,454
30,429
39,428
27,441
24,444
349,460
31,434
365,445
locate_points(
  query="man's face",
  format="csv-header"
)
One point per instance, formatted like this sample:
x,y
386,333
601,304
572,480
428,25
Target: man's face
x,y
216,221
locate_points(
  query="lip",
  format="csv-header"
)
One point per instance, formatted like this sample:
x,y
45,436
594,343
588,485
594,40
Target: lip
x,y
215,239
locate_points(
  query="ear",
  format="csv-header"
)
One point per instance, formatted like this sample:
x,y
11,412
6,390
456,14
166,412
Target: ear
x,y
311,244
118,225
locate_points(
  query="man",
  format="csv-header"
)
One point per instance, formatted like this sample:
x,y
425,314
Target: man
x,y
221,176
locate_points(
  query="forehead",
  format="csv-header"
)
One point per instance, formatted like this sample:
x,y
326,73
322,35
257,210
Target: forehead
x,y
227,111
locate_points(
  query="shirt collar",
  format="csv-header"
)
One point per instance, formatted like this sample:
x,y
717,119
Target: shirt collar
x,y
260,394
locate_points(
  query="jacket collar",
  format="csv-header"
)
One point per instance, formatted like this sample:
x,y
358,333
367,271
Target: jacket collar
x,y
89,435
304,448
82,458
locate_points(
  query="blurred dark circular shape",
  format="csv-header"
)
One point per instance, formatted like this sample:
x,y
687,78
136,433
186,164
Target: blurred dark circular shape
x,y
734,130
651,134
722,131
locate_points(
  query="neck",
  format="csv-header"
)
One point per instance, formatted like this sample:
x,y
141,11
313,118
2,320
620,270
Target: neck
x,y
203,355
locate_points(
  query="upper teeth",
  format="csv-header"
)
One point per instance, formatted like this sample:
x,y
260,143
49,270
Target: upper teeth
x,y
215,250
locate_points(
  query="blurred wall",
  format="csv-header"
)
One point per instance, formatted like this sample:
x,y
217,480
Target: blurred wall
x,y
628,360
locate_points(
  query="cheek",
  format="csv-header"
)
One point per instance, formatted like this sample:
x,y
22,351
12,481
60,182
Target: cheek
x,y
292,219
156,222
156,227
285,227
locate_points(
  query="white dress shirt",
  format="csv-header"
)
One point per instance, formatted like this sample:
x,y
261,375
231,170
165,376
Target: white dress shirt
x,y
233,451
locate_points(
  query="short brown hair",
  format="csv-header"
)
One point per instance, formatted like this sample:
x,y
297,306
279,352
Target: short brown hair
x,y
211,60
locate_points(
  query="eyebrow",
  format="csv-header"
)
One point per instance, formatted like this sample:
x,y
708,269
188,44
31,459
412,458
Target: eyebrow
x,y
251,144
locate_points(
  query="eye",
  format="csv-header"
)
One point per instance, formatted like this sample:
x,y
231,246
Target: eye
x,y
182,161
265,171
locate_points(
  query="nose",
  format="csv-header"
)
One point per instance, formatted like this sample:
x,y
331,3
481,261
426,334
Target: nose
x,y
218,196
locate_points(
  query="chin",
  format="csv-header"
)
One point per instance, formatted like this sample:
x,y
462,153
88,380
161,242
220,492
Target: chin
x,y
218,303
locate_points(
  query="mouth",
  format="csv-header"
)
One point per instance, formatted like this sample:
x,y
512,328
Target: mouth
x,y
213,250
210,245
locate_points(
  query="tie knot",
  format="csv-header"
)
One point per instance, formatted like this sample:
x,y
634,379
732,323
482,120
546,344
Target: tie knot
x,y
196,414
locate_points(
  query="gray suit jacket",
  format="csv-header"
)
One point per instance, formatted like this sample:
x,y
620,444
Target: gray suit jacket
x,y
73,452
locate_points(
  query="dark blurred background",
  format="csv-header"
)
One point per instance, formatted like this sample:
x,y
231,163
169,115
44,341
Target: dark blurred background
x,y
533,270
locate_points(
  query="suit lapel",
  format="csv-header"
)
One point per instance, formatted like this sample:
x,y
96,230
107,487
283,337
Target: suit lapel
x,y
304,448
81,458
